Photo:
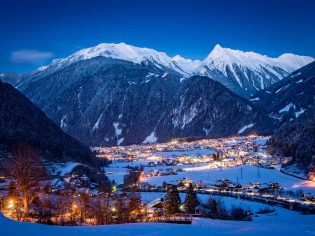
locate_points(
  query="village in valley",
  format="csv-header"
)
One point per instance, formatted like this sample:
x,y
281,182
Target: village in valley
x,y
235,176
237,166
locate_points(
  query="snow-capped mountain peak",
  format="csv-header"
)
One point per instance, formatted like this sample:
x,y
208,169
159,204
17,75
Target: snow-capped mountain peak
x,y
247,72
121,51
217,51
242,72
187,65
293,62
220,57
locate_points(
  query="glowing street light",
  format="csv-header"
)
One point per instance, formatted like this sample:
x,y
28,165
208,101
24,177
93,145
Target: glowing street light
x,y
113,209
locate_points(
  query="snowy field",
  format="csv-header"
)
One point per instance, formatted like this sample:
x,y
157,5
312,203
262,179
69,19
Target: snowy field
x,y
243,174
290,223
202,172
228,202
281,222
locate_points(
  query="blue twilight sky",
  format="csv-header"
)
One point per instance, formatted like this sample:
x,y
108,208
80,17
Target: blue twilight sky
x,y
33,32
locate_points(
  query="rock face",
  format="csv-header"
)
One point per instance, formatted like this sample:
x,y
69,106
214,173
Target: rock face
x,y
105,101
21,120
291,97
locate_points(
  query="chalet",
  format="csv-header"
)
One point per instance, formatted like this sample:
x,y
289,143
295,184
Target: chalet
x,y
155,207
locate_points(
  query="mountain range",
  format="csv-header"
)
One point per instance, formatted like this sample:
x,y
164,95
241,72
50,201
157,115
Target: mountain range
x,y
118,94
244,73
105,101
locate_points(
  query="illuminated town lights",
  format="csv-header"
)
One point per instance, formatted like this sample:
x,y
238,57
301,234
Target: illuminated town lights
x,y
74,206
11,204
114,188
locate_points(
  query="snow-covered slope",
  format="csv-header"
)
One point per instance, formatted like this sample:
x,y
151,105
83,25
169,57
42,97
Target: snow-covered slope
x,y
248,72
242,72
220,57
284,222
293,62
187,65
119,51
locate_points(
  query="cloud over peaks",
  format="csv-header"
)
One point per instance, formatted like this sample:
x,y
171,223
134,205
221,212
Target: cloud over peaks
x,y
27,56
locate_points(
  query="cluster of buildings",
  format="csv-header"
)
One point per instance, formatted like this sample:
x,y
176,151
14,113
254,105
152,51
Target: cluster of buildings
x,y
229,152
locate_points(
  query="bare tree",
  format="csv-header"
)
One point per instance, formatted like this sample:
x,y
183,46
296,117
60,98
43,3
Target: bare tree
x,y
26,170
102,211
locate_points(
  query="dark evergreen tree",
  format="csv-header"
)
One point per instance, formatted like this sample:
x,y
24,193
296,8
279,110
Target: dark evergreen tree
x,y
191,200
217,209
133,177
104,183
172,201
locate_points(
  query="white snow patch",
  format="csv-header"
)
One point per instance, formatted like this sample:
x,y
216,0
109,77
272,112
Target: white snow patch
x,y
297,114
63,169
287,108
206,131
118,131
294,75
242,130
119,141
151,75
62,121
282,88
151,138
164,75
96,125
187,65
